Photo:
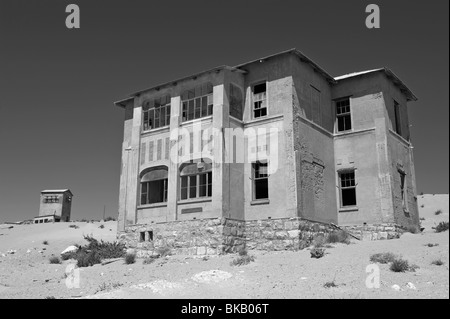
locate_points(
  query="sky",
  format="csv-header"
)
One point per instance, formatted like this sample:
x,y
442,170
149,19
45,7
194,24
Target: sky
x,y
60,129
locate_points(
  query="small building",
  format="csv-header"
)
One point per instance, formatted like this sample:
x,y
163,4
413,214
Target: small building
x,y
55,206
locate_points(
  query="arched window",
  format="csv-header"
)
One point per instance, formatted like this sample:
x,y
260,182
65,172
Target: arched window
x,y
196,179
197,102
156,112
154,186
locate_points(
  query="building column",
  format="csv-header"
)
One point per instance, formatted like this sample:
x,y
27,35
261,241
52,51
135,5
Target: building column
x,y
132,154
173,174
220,170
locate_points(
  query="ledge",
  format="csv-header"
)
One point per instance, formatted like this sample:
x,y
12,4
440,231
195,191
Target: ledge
x,y
201,119
264,120
401,138
156,130
194,201
260,202
155,205
348,209
349,133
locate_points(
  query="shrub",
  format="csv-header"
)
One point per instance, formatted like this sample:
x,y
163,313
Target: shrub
x,y
422,218
437,262
95,251
422,206
109,218
130,259
74,226
54,260
443,226
243,252
319,241
339,236
50,297
101,226
401,265
330,284
438,212
45,242
317,253
383,258
242,260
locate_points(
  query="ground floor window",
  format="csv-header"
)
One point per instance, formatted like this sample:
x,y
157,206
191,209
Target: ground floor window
x,y
403,189
260,178
196,180
347,188
154,186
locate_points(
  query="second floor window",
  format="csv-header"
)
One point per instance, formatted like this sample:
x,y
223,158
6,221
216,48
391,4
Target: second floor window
x,y
154,186
197,102
196,180
156,113
259,100
397,124
343,115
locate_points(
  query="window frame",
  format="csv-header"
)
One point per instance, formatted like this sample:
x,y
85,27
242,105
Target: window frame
x,y
340,173
254,179
266,100
404,191
342,115
146,114
193,99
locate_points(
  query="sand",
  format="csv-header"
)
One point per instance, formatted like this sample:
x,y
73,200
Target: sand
x,y
27,272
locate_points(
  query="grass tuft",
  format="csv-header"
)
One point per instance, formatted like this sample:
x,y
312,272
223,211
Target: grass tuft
x,y
437,262
383,258
317,253
443,226
130,259
54,260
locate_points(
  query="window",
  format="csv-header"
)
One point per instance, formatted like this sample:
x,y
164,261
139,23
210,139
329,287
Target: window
x,y
51,199
197,102
259,100
146,236
196,180
260,180
154,186
156,113
398,125
347,188
404,192
343,115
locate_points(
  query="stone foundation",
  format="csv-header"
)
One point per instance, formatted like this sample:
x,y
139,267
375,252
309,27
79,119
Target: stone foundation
x,y
222,235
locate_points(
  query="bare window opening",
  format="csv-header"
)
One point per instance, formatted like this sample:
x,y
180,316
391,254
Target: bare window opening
x,y
236,102
259,100
347,188
142,236
403,190
150,235
343,115
154,186
156,113
398,124
260,180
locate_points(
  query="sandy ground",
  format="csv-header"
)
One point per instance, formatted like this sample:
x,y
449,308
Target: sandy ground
x,y
27,272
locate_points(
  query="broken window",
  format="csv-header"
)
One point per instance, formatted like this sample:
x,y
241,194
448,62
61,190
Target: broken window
x,y
404,192
347,188
259,100
398,125
156,113
196,180
154,185
197,102
260,180
343,115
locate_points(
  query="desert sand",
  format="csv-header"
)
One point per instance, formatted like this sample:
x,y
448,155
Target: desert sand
x,y
25,271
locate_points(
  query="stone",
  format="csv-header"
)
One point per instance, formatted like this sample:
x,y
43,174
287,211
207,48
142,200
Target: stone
x,y
69,249
201,250
396,288
411,286
294,233
383,235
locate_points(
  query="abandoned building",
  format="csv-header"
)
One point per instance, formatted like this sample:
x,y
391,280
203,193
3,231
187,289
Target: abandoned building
x,y
338,155
55,206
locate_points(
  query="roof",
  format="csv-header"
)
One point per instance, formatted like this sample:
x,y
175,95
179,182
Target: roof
x,y
391,76
303,58
56,191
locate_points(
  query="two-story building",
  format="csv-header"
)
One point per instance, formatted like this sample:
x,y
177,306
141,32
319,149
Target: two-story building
x,y
262,153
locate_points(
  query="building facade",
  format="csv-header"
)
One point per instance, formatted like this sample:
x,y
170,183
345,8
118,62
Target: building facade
x,y
265,154
55,206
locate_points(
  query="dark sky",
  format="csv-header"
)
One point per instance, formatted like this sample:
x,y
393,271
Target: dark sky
x,y
59,128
